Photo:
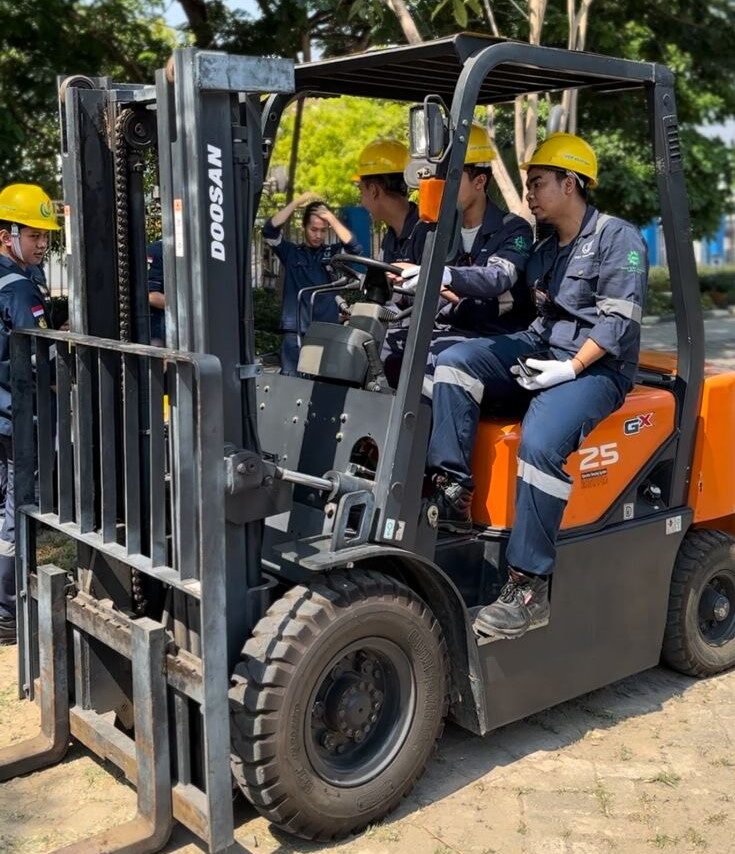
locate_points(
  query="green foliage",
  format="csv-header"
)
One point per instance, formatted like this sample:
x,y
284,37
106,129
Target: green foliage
x,y
267,316
39,39
717,286
333,134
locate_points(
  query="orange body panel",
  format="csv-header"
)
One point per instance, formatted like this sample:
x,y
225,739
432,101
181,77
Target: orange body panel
x,y
712,488
431,191
607,461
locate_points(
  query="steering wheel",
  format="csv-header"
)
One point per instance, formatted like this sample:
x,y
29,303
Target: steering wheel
x,y
344,258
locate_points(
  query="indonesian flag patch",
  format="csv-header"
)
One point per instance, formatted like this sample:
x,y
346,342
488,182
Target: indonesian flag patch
x,y
38,312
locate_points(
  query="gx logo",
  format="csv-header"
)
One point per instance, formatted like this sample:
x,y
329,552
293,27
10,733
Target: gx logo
x,y
634,425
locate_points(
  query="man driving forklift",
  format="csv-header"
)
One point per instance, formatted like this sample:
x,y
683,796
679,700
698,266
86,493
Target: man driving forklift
x,y
572,367
384,194
484,289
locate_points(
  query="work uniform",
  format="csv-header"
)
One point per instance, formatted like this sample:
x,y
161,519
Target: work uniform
x,y
154,252
593,288
409,244
304,267
22,304
488,276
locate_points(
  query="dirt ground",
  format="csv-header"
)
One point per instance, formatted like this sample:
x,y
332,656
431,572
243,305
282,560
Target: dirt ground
x,y
645,765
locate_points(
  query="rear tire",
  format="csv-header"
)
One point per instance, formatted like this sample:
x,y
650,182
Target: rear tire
x,y
700,627
337,703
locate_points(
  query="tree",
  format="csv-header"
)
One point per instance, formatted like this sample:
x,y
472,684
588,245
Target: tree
x,y
693,38
126,39
323,130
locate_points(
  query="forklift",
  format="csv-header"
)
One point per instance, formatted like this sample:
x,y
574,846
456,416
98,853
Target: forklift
x,y
262,599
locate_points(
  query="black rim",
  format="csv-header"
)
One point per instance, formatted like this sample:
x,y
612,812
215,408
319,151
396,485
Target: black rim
x,y
717,609
360,713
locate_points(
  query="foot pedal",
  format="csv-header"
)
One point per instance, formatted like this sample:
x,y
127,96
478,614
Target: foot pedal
x,y
485,636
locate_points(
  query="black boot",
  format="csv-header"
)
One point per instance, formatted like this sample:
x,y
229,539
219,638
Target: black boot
x,y
523,601
8,631
454,504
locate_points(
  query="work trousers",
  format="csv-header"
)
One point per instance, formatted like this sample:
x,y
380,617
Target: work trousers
x,y
7,536
395,344
476,374
290,354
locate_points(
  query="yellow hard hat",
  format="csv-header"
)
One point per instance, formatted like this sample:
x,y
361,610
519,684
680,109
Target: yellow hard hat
x,y
479,148
382,157
28,204
566,151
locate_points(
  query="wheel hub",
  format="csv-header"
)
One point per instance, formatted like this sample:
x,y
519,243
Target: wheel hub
x,y
715,605
360,712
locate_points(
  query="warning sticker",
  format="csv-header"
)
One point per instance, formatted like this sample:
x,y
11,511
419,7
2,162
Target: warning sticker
x,y
67,228
178,228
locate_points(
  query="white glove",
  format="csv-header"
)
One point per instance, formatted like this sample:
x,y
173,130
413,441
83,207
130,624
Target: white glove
x,y
410,278
551,373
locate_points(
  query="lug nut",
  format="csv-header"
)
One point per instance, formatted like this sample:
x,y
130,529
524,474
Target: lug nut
x,y
318,710
328,741
359,736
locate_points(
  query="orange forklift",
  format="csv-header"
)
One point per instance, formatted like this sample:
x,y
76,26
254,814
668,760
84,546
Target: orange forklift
x,y
262,599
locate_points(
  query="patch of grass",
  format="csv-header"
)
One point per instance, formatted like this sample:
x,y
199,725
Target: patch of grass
x,y
522,827
625,754
661,840
668,778
716,818
723,762
442,849
566,834
604,799
56,548
695,838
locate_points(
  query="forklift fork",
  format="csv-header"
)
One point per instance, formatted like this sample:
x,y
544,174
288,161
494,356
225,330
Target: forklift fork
x,y
148,760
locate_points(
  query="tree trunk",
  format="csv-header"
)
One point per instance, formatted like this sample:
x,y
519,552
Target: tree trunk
x,y
400,10
198,17
578,19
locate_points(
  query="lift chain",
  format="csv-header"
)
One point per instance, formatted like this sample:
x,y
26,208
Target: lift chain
x,y
123,282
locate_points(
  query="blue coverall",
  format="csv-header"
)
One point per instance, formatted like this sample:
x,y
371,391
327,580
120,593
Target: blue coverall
x,y
22,304
593,288
490,281
154,252
409,244
304,267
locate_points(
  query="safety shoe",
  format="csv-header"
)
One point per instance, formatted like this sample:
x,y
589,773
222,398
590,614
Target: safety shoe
x,y
523,601
8,631
453,503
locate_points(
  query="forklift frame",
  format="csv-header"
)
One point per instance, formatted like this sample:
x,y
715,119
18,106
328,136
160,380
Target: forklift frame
x,y
215,137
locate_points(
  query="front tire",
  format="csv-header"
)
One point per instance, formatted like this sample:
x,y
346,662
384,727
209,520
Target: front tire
x,y
337,703
700,627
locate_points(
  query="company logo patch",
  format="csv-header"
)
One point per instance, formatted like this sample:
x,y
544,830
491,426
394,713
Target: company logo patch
x,y
633,426
37,310
47,209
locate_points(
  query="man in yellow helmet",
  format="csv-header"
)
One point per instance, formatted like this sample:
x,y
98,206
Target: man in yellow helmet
x,y
26,217
570,369
384,193
484,289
